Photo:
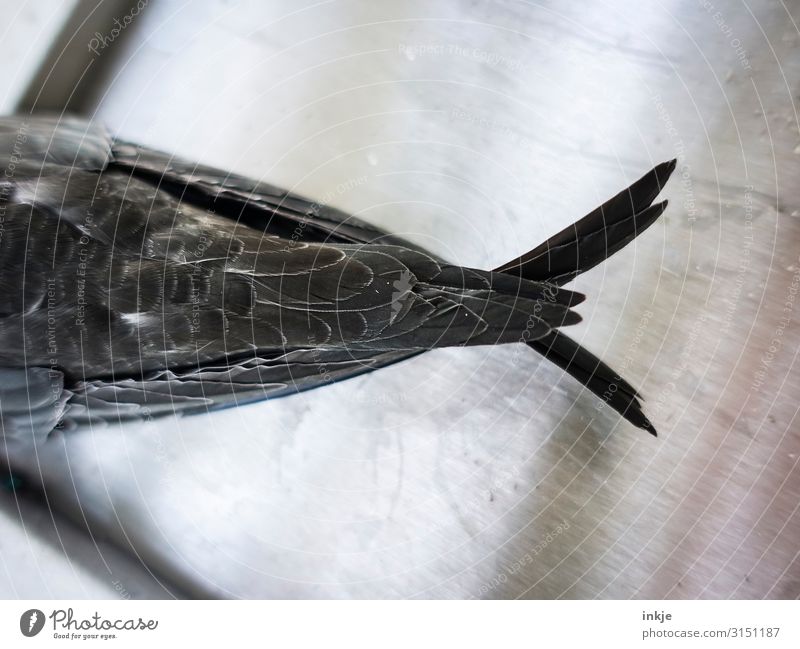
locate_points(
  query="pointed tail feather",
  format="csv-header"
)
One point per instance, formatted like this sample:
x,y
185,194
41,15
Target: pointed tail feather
x,y
593,373
598,235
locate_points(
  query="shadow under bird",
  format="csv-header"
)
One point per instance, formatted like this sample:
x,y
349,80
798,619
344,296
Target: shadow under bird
x,y
135,284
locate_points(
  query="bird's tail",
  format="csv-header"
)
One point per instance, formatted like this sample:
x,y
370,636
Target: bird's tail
x,y
576,249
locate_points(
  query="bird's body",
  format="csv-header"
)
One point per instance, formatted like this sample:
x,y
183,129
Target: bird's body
x,y
133,284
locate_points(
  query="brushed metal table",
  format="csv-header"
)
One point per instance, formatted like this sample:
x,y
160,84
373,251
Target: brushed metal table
x,y
478,129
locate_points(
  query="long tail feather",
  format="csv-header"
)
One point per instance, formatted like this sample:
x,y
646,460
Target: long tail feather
x,y
593,373
598,235
576,249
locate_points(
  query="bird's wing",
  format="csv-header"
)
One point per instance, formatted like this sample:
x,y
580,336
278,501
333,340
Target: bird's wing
x,y
218,385
30,145
256,204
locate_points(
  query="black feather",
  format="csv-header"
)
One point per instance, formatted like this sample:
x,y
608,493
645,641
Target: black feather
x,y
178,287
593,373
596,236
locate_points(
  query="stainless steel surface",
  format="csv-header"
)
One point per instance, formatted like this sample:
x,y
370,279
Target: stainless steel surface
x,y
25,41
479,129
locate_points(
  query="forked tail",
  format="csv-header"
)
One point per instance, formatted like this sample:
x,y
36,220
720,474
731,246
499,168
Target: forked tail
x,y
576,249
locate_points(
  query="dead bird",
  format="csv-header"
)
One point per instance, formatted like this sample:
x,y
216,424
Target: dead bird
x,y
136,284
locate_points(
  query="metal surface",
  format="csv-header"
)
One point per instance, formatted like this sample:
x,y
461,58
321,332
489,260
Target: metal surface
x,y
479,129
25,41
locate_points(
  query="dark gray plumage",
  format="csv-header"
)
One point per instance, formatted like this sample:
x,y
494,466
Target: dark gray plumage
x,y
134,284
